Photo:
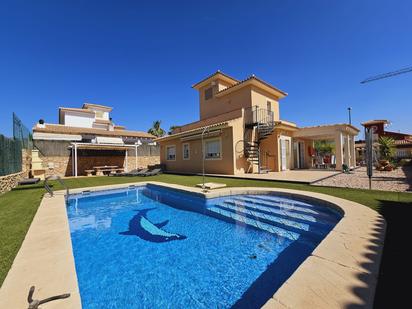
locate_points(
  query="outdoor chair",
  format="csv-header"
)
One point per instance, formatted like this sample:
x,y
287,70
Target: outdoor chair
x,y
135,172
153,172
29,181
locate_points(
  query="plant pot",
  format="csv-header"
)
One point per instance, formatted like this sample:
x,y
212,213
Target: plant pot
x,y
384,162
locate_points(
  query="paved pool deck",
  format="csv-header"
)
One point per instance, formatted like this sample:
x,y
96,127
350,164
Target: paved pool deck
x,y
298,176
341,272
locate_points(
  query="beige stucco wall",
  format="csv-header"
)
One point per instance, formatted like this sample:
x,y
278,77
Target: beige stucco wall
x,y
260,98
243,98
194,164
270,150
216,106
241,164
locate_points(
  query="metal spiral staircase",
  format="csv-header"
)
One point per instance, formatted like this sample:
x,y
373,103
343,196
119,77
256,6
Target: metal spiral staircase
x,y
259,124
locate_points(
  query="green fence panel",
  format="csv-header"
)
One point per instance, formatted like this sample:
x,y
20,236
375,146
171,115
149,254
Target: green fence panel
x,y
10,156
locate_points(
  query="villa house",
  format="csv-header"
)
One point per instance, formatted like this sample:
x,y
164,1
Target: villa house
x,y
403,141
241,131
87,137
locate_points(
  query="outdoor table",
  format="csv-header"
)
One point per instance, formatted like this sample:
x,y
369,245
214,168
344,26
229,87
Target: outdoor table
x,y
106,168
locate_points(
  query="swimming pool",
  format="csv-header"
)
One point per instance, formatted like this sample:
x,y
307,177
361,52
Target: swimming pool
x,y
153,247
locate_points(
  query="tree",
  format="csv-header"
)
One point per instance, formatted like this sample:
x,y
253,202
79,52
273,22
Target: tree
x,y
323,147
386,147
172,128
156,130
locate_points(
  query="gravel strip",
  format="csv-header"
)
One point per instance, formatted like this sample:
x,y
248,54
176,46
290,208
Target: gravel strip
x,y
399,180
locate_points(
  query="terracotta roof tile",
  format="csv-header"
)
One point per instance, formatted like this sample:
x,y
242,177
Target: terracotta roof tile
x,y
253,77
73,109
55,128
103,121
209,121
211,75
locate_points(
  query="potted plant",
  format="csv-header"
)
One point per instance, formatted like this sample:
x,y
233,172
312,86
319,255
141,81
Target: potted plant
x,y
386,152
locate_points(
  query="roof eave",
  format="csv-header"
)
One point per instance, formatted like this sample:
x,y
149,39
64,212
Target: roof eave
x,y
216,75
181,134
102,107
257,83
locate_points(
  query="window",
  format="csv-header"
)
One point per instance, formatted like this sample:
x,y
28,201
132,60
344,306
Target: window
x,y
212,149
269,106
208,93
171,153
186,151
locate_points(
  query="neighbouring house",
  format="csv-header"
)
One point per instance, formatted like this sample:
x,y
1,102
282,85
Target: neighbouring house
x,y
403,141
85,138
242,132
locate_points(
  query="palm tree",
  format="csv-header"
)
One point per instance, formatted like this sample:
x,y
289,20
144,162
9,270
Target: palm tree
x,y
172,128
386,147
156,130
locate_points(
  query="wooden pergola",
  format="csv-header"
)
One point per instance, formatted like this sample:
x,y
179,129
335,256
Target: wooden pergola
x,y
96,146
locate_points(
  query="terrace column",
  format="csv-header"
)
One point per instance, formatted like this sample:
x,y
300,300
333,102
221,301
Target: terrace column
x,y
126,161
347,150
135,156
338,150
75,159
72,149
352,151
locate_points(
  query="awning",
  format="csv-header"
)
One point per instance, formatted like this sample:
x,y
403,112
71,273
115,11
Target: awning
x,y
56,137
109,140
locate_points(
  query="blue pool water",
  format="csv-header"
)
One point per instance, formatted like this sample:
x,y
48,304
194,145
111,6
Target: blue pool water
x,y
151,247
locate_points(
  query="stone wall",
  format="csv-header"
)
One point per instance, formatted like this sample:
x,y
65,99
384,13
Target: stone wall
x,y
8,182
26,162
142,162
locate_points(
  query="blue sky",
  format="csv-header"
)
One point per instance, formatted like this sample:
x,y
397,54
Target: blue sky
x,y
142,57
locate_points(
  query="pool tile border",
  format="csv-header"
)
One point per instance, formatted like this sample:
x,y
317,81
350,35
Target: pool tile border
x,y
342,270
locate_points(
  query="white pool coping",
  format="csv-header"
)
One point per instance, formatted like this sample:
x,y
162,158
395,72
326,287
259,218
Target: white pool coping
x,y
341,271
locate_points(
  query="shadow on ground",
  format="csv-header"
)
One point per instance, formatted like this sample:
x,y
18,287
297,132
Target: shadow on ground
x,y
393,288
408,173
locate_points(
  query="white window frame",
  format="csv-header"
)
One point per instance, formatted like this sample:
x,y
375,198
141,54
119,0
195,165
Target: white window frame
x,y
220,146
183,151
167,152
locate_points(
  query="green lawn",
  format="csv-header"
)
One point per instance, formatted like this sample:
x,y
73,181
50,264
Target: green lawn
x,y
18,207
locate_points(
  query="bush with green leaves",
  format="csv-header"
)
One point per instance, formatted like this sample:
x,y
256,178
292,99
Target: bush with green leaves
x,y
386,147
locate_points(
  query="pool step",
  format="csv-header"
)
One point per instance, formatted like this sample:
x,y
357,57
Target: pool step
x,y
234,217
299,207
296,227
275,202
266,207
272,209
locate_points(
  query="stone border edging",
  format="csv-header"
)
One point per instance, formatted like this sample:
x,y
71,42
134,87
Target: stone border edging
x,y
342,271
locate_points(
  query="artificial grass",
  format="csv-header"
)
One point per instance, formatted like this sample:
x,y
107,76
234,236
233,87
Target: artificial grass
x,y
18,207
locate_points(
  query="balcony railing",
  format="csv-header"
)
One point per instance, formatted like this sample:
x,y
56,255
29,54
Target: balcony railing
x,y
256,116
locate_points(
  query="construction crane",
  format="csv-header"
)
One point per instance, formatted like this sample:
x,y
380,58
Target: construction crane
x,y
386,75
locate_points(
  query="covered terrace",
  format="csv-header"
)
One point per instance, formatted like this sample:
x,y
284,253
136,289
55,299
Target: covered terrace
x,y
342,136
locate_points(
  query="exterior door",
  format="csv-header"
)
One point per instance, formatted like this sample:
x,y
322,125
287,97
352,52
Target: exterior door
x,y
283,153
298,155
301,155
